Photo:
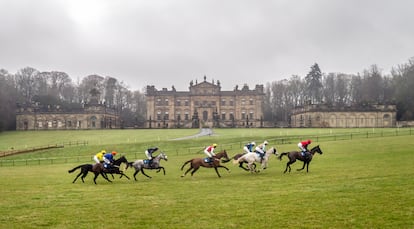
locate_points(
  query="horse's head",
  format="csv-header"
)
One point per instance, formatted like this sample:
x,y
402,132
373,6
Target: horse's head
x,y
223,154
163,156
316,149
272,150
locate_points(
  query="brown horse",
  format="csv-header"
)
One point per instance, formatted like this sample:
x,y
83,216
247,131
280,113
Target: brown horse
x,y
99,168
296,155
196,163
85,168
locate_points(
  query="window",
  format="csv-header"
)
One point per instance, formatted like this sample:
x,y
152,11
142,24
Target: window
x,y
166,116
223,102
231,116
158,103
251,101
243,115
166,102
186,117
186,103
178,102
251,116
243,102
223,116
231,103
159,115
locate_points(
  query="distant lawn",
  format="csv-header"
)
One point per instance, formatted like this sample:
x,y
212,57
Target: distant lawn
x,y
355,183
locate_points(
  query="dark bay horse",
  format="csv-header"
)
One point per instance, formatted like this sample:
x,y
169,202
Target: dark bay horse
x,y
140,165
85,168
296,155
196,163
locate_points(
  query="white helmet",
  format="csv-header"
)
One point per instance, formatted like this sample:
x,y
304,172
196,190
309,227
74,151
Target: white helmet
x,y
265,142
253,143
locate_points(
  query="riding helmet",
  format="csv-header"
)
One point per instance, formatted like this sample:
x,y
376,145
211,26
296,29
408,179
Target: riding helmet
x,y
253,143
309,141
214,145
114,153
265,142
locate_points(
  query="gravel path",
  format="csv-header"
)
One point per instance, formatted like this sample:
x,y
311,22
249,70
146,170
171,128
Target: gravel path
x,y
203,132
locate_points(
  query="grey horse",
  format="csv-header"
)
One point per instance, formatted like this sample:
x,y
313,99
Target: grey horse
x,y
140,165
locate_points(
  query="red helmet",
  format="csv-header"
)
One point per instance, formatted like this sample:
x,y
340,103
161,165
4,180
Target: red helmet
x,y
114,153
309,141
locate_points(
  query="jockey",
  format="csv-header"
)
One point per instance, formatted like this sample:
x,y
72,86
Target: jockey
x,y
248,148
98,158
261,149
209,151
108,159
303,146
149,153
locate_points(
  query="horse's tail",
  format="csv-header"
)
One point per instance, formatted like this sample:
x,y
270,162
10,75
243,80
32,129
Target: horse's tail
x,y
237,161
129,164
281,155
182,167
74,169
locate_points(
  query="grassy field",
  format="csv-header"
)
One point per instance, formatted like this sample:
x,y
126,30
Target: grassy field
x,y
356,183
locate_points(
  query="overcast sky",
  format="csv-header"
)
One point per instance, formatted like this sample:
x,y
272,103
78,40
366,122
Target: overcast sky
x,y
165,43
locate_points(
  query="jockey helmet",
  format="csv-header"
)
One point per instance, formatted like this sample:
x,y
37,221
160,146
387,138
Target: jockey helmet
x,y
253,143
214,145
114,153
265,142
309,141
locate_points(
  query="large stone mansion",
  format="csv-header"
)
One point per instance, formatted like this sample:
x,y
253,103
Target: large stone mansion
x,y
322,115
92,115
204,105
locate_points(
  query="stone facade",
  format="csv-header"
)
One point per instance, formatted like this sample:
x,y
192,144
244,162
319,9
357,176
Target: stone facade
x,y
204,105
90,116
318,115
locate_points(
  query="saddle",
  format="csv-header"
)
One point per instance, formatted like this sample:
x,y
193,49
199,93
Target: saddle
x,y
208,160
147,161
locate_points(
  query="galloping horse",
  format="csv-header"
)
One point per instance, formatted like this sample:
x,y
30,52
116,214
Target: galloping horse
x,y
140,165
296,155
237,156
85,168
197,162
251,158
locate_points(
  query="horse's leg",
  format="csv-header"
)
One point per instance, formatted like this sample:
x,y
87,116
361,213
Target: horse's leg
x,y
84,175
218,174
96,176
194,170
241,166
159,169
222,166
123,175
136,172
105,176
307,166
304,163
142,171
188,170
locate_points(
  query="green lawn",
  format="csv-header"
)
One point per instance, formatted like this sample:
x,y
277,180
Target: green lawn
x,y
355,183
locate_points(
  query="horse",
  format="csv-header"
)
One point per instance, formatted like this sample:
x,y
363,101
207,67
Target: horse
x,y
251,158
296,155
85,168
196,163
237,156
140,165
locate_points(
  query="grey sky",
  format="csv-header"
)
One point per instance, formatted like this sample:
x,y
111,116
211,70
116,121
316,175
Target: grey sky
x,y
165,43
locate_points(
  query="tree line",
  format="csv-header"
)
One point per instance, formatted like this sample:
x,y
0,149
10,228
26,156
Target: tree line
x,y
28,86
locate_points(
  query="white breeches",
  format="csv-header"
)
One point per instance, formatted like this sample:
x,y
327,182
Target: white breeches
x,y
246,149
95,158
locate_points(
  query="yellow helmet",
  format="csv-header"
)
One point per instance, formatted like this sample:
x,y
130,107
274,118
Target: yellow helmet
x,y
214,145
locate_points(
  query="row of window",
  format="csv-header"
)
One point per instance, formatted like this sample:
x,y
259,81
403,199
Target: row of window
x,y
224,102
186,116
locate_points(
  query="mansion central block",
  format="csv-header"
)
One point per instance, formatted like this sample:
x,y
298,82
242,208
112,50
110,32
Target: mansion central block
x,y
204,105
